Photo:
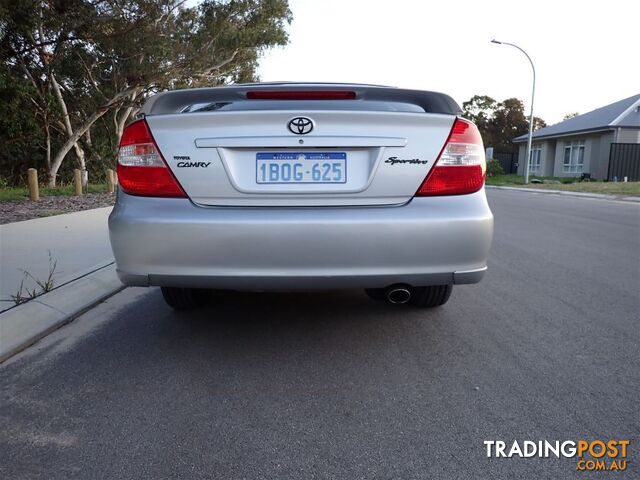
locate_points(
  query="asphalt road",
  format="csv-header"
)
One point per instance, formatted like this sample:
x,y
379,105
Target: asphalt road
x,y
332,385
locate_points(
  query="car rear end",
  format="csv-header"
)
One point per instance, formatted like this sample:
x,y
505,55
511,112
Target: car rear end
x,y
299,186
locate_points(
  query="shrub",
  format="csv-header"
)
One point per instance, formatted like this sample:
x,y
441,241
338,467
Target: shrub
x,y
494,168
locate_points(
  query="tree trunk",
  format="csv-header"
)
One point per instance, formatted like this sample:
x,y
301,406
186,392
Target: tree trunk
x,y
93,153
121,121
71,141
81,130
67,125
48,145
81,164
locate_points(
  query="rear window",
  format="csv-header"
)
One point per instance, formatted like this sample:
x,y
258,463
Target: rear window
x,y
235,98
357,105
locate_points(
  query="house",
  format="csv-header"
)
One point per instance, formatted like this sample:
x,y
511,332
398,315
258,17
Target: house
x,y
582,144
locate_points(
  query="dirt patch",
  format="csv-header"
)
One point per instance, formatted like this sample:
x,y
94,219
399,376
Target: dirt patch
x,y
54,205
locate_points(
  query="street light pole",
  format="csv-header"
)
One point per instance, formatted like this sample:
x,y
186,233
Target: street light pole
x,y
533,92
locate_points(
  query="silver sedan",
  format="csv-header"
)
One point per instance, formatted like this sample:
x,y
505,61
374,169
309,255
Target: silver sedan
x,y
301,186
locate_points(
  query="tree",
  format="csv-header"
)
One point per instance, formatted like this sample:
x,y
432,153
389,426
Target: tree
x,y
99,56
499,122
22,136
480,110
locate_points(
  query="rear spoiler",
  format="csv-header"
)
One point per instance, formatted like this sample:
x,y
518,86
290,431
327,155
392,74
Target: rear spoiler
x,y
178,101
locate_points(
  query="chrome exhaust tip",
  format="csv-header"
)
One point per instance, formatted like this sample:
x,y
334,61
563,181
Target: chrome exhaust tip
x,y
398,295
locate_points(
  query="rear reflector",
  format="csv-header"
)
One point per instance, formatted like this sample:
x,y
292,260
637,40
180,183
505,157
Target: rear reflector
x,y
461,166
141,169
301,95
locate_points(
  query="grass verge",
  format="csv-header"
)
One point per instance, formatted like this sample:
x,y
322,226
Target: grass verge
x,y
569,185
17,194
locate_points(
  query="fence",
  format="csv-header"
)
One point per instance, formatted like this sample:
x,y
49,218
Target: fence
x,y
508,161
624,161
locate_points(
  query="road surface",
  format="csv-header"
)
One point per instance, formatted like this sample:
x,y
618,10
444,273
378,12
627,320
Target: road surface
x,y
332,385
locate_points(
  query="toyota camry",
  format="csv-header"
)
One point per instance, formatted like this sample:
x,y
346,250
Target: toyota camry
x,y
284,186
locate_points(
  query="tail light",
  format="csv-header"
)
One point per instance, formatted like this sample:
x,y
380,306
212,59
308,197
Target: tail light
x,y
461,166
141,169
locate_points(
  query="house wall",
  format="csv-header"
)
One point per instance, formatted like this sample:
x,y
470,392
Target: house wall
x,y
598,143
628,135
600,160
548,159
596,152
547,153
521,156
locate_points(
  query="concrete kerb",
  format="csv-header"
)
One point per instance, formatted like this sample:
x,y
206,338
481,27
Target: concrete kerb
x,y
601,196
25,324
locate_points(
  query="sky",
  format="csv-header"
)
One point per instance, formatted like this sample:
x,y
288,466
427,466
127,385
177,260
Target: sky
x,y
586,53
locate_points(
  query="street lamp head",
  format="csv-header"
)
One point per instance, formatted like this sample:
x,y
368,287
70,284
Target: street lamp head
x,y
496,41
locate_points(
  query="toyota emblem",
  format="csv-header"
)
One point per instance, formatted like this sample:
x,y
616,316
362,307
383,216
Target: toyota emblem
x,y
300,125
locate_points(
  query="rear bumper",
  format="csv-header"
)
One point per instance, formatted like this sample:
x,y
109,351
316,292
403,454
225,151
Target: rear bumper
x,y
428,241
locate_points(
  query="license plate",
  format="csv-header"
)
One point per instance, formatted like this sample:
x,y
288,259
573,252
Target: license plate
x,y
301,167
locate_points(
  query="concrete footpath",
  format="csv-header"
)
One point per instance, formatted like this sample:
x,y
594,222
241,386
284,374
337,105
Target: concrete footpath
x,y
78,241
84,273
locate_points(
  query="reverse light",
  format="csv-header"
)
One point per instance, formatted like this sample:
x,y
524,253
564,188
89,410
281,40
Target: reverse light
x,y
141,169
301,95
461,166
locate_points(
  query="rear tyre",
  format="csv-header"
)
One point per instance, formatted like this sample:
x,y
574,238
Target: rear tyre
x,y
432,296
184,298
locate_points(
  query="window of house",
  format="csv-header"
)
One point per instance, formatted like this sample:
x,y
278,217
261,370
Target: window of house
x,y
573,157
534,161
